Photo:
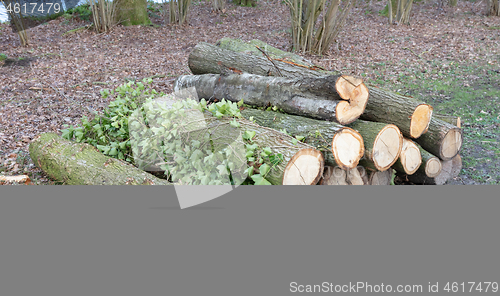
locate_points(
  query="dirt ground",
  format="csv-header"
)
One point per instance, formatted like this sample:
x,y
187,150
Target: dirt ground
x,y
58,78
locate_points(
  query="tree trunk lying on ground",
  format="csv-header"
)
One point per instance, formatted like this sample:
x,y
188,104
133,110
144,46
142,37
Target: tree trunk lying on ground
x,y
411,116
382,142
340,145
442,139
83,164
336,98
222,133
295,153
410,159
431,165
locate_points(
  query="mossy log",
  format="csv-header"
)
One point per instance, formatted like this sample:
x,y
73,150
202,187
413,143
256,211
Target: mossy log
x,y
340,145
442,139
411,116
334,98
82,164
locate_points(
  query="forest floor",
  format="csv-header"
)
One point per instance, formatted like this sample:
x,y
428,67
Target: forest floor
x,y
448,57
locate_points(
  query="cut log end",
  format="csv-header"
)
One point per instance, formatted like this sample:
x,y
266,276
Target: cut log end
x,y
347,148
452,143
387,147
433,167
305,168
420,120
355,176
410,157
456,166
334,176
355,93
381,178
445,174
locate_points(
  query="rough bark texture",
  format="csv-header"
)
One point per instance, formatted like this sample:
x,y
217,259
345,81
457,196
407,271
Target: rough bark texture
x,y
383,143
442,139
254,47
310,97
389,107
382,106
206,58
132,12
307,127
82,164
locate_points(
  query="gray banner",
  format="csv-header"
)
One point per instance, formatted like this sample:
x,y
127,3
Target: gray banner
x,y
273,240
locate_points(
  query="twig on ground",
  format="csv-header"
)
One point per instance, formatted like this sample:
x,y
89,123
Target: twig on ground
x,y
271,60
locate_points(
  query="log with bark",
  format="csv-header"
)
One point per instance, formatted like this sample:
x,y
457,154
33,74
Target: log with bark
x,y
383,143
431,165
301,164
410,158
449,169
82,164
380,142
411,116
336,98
340,145
292,169
442,139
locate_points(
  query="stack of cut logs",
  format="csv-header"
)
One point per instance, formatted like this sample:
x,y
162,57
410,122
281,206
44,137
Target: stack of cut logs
x,y
354,133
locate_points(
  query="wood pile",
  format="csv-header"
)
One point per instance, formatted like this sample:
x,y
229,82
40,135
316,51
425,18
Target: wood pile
x,y
357,134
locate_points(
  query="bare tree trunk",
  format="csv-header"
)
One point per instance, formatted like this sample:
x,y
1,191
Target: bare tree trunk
x,y
219,5
493,8
332,98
